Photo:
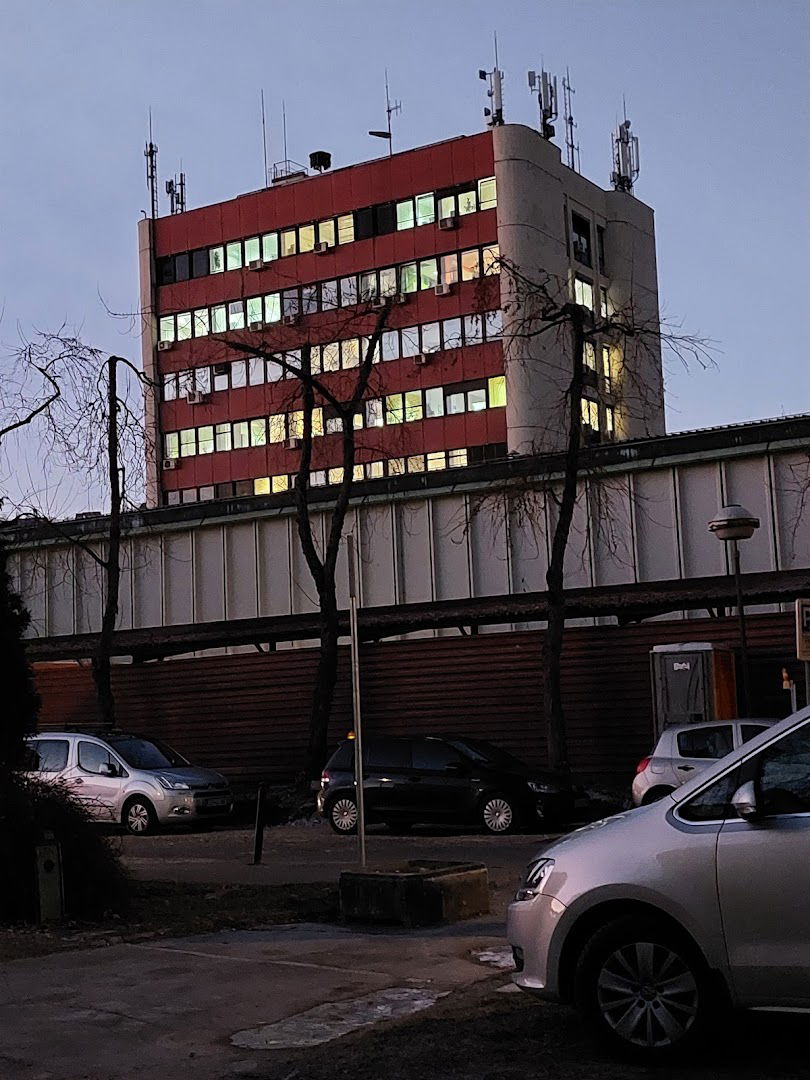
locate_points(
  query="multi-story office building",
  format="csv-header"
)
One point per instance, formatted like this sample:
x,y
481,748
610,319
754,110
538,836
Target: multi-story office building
x,y
312,259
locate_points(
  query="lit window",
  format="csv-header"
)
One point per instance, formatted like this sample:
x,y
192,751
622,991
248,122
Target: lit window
x,y
494,325
288,242
388,281
473,330
270,247
274,371
317,478
167,328
171,445
258,433
309,299
295,424
416,463
413,405
261,485
609,420
393,409
221,378
467,203
331,357
431,337
374,412
207,492
589,355
449,268
202,379
428,273
335,476
240,434
219,319
348,291
487,195
315,360
184,326
216,260
169,387
604,310
496,388
326,232
277,428
252,250
425,209
280,483
188,442
202,324
405,215
390,345
455,403
583,293
410,341
492,259
590,414
205,440
255,310
436,461
334,423
408,278
470,265
272,307
236,315
345,228
329,295
238,373
223,436
477,400
189,495
368,285
350,353
306,238
374,470
358,472
434,401
233,255
396,466
447,206
185,381
457,458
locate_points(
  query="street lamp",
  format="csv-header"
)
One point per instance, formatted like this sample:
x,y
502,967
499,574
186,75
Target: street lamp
x,y
733,523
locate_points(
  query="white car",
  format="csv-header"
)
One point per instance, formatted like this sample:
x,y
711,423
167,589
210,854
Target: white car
x,y
686,749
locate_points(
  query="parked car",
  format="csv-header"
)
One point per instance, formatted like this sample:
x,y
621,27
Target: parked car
x,y
685,749
139,782
653,921
432,780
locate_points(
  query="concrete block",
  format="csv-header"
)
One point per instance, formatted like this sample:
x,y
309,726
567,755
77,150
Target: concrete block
x,y
420,893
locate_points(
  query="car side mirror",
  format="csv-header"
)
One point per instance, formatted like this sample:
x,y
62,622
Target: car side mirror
x,y
744,801
108,769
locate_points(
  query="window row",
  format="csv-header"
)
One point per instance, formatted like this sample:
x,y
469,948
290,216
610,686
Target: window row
x,y
258,311
584,295
378,220
598,420
399,408
370,470
464,331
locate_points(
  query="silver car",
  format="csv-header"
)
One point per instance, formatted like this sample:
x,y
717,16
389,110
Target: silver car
x,y
129,779
654,921
685,749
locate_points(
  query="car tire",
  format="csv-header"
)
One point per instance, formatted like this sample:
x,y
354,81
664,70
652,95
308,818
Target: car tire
x,y
498,814
341,812
645,989
654,794
138,816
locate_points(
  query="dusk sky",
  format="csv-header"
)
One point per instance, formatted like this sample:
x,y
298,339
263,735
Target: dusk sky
x,y
716,91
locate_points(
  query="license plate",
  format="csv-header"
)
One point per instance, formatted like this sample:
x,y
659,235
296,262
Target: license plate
x,y
216,802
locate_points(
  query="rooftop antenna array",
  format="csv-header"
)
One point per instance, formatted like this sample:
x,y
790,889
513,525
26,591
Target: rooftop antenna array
x,y
286,171
176,190
625,157
494,115
545,86
571,145
264,143
150,153
390,109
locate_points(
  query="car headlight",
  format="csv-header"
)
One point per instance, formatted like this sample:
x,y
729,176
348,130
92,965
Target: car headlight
x,y
541,789
537,873
172,785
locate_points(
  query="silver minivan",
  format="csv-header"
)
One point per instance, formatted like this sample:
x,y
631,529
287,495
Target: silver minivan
x,y
129,779
654,921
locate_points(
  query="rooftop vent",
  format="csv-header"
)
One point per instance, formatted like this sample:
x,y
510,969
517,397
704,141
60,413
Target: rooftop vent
x,y
320,160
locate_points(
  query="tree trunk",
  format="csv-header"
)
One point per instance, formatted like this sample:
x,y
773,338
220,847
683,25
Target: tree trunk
x,y
324,689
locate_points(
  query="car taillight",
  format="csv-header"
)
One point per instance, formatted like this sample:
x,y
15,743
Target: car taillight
x,y
325,778
642,765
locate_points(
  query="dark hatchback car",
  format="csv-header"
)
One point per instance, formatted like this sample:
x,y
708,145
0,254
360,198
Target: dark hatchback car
x,y
441,781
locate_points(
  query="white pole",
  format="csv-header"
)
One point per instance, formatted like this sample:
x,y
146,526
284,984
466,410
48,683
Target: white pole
x,y
358,720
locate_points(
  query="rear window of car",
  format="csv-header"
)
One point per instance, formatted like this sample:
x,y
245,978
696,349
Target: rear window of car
x,y
343,757
48,755
388,753
748,731
706,742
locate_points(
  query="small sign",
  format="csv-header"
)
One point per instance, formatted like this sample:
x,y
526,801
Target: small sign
x,y
803,629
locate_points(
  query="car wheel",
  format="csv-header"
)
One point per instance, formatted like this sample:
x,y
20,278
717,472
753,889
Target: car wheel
x,y
342,814
498,814
139,817
644,989
654,794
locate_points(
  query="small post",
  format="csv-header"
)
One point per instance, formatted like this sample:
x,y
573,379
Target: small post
x,y
258,834
358,720
49,879
746,679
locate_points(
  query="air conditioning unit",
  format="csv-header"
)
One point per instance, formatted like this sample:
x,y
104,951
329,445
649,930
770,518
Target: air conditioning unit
x,y
378,302
291,320
255,264
257,325
164,346
221,369
293,443
400,298
169,463
448,222
442,289
195,397
321,248
421,359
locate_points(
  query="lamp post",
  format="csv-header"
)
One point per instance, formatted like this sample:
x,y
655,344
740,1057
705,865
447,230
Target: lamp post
x,y
732,524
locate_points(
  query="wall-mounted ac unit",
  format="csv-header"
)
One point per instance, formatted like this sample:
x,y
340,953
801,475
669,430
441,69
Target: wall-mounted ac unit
x,y
400,298
378,302
164,346
421,359
169,463
442,289
221,369
321,248
291,320
195,397
448,222
255,264
293,443
256,325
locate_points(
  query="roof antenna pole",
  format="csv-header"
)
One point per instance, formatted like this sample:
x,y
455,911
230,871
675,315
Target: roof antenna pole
x,y
571,146
264,143
494,115
390,109
284,125
545,86
150,153
625,156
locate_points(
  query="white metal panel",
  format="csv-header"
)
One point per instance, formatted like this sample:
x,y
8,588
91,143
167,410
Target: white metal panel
x,y
33,587
656,525
746,482
241,569
60,584
209,574
489,547
611,525
91,588
377,555
273,549
528,541
791,481
178,577
304,594
147,587
123,620
577,562
412,522
699,499
450,539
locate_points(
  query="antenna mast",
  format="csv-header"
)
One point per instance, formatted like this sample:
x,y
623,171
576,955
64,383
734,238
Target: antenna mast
x,y
545,86
150,153
176,190
494,115
571,146
625,157
390,109
264,143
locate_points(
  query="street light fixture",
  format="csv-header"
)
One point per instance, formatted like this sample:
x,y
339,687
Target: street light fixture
x,y
732,524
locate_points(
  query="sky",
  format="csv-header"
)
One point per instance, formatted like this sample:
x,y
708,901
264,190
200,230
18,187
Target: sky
x,y
717,92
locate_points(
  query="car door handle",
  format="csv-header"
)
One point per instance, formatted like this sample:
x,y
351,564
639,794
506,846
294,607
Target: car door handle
x,y
76,781
686,768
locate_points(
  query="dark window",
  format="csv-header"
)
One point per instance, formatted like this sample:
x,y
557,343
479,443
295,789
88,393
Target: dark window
x,y
581,239
434,756
92,756
182,267
199,263
385,219
714,802
146,754
707,742
748,731
164,268
343,758
364,223
784,780
49,755
243,487
290,302
600,246
224,491
388,754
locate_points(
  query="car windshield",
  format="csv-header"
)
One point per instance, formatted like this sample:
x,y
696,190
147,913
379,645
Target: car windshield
x,y
480,750
146,754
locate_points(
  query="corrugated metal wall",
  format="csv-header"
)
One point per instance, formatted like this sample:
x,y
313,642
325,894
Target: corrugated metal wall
x,y
247,714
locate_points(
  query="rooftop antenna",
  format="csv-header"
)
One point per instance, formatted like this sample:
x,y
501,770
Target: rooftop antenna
x,y
545,86
625,156
494,115
176,190
150,153
264,143
571,146
390,109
